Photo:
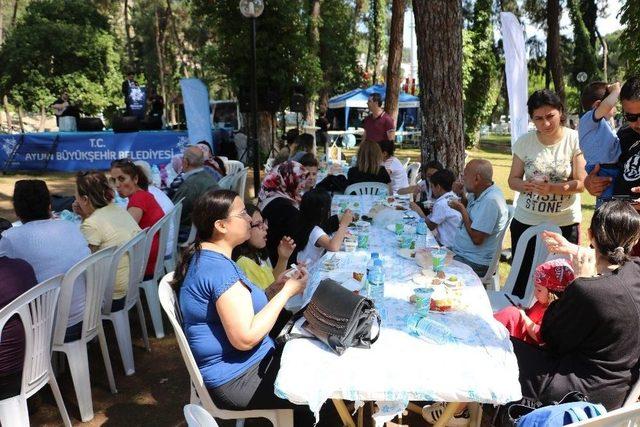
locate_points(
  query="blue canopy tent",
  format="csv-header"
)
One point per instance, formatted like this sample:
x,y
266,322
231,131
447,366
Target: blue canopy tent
x,y
408,105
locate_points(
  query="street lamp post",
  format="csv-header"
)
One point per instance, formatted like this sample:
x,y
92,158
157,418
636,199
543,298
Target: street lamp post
x,y
252,9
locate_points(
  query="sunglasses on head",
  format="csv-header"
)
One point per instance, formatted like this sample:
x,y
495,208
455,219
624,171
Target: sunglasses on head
x,y
631,117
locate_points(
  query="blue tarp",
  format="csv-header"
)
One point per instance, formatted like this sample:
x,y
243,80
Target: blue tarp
x,y
73,151
357,98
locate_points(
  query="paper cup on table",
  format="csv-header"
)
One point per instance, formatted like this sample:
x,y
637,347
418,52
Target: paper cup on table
x,y
423,300
437,259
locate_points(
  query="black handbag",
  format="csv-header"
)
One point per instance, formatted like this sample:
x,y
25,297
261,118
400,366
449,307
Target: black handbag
x,y
337,317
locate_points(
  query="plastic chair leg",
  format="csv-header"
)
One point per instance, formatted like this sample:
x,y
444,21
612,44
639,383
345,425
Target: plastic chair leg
x,y
14,412
58,396
240,423
153,302
143,325
107,360
79,367
120,321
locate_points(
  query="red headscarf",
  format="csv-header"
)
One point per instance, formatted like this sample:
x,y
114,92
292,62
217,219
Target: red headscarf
x,y
283,181
554,275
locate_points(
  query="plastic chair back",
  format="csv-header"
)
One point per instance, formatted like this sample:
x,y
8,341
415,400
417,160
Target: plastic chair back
x,y
96,269
495,261
175,214
367,188
36,309
197,416
227,182
233,166
539,256
413,169
627,416
135,250
241,182
162,229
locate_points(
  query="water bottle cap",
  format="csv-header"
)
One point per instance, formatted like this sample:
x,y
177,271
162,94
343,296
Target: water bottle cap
x,y
377,261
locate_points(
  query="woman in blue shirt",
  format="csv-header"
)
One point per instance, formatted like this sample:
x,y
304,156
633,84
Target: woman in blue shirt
x,y
226,318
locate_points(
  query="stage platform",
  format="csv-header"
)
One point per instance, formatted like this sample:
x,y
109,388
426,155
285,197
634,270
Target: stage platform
x,y
74,151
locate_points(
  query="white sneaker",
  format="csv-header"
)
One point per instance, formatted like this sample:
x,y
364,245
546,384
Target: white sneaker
x,y
432,413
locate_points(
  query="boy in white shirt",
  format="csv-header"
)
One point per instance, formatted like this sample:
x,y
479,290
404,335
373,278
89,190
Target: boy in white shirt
x,y
443,220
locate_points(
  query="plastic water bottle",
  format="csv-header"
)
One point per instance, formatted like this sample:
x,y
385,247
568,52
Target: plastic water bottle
x,y
374,256
429,329
421,228
155,176
376,281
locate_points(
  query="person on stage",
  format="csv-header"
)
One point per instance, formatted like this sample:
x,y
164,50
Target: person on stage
x,y
60,105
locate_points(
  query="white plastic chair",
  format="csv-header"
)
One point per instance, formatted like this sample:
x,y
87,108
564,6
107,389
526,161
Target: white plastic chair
x,y
197,416
368,188
240,184
627,416
135,250
175,213
36,309
233,166
491,279
413,169
199,393
497,298
96,269
190,239
150,286
406,162
227,182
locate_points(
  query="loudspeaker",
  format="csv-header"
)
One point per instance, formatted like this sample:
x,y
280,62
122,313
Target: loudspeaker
x,y
271,102
90,124
298,103
126,124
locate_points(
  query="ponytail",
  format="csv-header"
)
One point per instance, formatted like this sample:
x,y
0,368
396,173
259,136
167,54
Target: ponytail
x,y
615,228
183,265
617,256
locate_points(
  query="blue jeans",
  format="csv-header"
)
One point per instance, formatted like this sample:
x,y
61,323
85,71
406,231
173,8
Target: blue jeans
x,y
479,269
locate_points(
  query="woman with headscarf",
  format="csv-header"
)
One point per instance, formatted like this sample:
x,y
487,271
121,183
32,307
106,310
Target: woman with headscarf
x,y
279,200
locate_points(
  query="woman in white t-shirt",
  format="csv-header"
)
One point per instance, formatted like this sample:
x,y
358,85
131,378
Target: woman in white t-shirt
x,y
395,169
315,209
548,170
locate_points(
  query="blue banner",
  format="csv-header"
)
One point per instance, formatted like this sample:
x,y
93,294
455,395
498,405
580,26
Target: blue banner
x,y
196,107
74,151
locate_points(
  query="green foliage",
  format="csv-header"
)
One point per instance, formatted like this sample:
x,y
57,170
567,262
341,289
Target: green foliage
x,y
284,60
338,48
584,55
630,19
483,87
59,45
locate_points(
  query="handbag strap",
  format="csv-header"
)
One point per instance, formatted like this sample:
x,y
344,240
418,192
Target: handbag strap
x,y
379,322
286,335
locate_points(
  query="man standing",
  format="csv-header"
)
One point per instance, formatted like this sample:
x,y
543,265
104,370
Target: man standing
x,y
378,126
195,182
127,85
60,105
484,216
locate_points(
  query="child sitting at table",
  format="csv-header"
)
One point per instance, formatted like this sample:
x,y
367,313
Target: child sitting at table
x,y
443,219
551,279
315,209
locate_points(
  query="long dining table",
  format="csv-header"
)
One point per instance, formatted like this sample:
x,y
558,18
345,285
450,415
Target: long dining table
x,y
469,359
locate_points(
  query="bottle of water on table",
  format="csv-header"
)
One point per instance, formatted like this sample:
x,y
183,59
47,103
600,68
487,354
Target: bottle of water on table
x,y
376,281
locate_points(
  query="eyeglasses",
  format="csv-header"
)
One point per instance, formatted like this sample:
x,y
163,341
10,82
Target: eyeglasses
x,y
260,224
242,215
631,117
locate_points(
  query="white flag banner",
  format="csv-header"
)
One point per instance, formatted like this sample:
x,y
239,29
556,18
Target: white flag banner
x,y
195,96
516,72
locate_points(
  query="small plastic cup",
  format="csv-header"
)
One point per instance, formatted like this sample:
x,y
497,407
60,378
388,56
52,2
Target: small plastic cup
x,y
423,300
350,245
399,228
437,258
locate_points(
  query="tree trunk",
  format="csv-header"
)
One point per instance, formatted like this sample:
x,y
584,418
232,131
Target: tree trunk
x,y
314,37
378,13
43,118
1,22
5,105
265,131
15,13
440,75
553,46
395,58
127,31
357,13
158,38
20,118
605,55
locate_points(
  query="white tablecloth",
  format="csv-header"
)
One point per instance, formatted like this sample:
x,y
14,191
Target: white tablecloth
x,y
476,364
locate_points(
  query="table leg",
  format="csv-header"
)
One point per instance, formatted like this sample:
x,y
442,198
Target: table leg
x,y
449,411
361,416
345,416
